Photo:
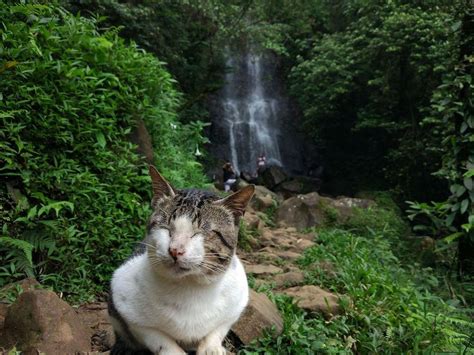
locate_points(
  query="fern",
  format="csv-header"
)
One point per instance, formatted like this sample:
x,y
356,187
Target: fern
x,y
21,255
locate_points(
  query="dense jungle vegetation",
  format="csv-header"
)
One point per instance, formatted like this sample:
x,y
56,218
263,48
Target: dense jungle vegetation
x,y
385,92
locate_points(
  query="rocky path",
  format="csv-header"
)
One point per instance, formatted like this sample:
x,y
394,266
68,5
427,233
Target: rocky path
x,y
273,262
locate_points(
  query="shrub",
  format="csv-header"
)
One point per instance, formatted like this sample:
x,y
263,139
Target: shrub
x,y
77,193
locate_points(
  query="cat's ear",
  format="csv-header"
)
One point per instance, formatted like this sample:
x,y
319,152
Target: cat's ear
x,y
161,187
238,200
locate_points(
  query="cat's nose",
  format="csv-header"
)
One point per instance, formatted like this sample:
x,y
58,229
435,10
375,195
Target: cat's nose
x,y
175,252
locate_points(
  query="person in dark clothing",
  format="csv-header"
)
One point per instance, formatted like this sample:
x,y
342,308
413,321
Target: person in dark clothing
x,y
229,176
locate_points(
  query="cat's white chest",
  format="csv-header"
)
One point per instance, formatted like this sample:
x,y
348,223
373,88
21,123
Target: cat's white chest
x,y
190,315
186,312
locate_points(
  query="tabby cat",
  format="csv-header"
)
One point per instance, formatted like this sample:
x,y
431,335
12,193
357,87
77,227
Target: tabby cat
x,y
185,286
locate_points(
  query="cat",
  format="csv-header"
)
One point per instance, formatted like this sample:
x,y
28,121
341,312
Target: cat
x,y
184,286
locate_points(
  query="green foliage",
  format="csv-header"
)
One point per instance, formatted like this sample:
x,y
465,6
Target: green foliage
x,y
186,35
268,215
452,113
68,101
376,220
331,214
246,236
392,309
364,91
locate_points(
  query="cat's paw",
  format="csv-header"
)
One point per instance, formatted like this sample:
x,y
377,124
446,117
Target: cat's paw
x,y
212,350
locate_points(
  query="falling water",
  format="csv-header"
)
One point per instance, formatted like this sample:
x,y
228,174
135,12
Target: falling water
x,y
250,113
253,114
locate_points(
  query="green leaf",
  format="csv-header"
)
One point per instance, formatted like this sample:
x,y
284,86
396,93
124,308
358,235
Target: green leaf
x,y
100,139
32,213
22,245
464,205
468,182
452,237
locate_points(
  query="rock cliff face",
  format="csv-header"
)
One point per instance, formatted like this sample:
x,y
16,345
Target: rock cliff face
x,y
252,115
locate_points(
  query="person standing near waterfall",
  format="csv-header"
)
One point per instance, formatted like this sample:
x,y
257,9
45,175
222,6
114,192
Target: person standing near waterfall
x,y
261,163
229,176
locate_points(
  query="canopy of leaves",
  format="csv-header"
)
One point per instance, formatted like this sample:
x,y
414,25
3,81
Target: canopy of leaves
x,y
365,89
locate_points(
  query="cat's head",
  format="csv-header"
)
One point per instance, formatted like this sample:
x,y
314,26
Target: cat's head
x,y
193,232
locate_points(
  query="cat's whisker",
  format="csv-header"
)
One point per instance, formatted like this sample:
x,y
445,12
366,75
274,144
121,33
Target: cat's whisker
x,y
213,267
220,256
226,255
210,269
148,245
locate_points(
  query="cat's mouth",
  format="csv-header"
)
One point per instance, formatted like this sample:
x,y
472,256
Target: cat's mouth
x,y
181,268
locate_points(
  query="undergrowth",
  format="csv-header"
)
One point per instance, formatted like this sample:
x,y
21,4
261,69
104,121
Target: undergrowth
x,y
389,312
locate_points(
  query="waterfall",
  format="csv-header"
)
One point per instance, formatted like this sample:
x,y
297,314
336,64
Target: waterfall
x,y
253,115
250,114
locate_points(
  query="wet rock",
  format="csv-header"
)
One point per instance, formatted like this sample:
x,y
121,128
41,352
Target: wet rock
x,y
262,269
39,321
315,299
259,315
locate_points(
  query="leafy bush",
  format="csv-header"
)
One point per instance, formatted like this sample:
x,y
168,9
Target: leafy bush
x,y
376,220
364,90
76,191
390,311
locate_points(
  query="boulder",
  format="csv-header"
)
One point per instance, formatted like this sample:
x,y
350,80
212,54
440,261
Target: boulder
x,y
272,176
262,269
39,321
27,284
298,185
262,190
300,212
304,211
260,314
261,202
263,198
315,299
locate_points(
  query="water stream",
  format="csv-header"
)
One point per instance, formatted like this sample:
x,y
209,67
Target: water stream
x,y
252,115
